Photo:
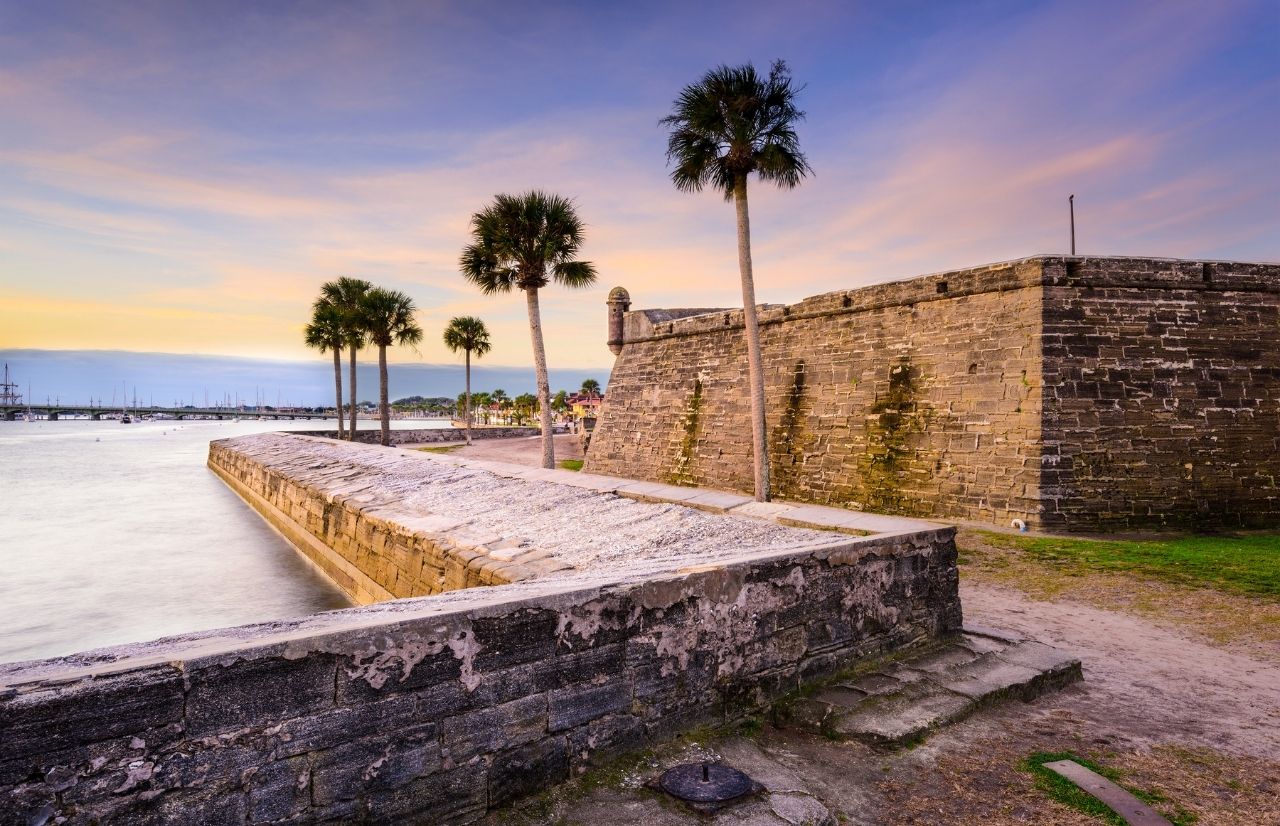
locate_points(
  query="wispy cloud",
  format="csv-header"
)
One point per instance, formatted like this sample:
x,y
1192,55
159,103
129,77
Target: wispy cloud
x,y
183,180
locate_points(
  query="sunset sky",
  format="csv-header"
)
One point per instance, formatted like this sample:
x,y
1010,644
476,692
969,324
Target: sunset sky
x,y
181,177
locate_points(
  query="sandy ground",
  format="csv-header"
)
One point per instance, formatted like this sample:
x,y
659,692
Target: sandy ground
x,y
525,450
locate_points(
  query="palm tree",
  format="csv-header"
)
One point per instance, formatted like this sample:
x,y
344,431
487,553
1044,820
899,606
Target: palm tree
x,y
499,397
524,404
326,332
591,387
467,333
525,242
346,294
386,317
724,127
482,401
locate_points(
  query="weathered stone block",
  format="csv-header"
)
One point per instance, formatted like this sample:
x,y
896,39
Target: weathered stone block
x,y
368,767
520,637
62,716
451,797
572,706
490,729
340,725
398,667
527,769
279,789
258,692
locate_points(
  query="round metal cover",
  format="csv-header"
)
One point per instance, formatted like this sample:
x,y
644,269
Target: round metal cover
x,y
705,783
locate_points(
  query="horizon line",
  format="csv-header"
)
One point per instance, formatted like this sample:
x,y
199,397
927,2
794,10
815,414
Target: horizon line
x,y
390,363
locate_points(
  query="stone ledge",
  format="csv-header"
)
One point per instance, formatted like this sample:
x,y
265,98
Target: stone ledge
x,y
906,700
788,514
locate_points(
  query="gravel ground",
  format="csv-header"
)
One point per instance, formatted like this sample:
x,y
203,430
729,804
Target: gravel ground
x,y
522,450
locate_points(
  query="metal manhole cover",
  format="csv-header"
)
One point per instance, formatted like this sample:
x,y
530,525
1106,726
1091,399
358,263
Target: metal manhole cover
x,y
706,783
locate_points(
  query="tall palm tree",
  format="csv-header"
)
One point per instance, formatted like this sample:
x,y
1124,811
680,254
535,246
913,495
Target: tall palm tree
x,y
591,387
726,126
467,333
525,242
499,397
386,317
481,401
326,332
346,294
524,405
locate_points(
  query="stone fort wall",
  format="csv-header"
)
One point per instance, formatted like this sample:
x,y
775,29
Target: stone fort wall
x,y
1073,393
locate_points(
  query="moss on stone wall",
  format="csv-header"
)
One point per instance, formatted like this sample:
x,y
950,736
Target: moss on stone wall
x,y
790,439
895,419
682,474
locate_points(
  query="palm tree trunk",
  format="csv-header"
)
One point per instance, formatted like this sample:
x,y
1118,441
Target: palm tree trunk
x,y
352,434
383,406
467,408
544,385
337,386
755,369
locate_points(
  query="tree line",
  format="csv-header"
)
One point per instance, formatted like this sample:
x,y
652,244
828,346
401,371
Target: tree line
x,y
731,124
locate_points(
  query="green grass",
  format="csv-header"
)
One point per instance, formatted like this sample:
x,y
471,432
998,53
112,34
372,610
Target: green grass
x,y
1244,564
571,464
444,449
1069,794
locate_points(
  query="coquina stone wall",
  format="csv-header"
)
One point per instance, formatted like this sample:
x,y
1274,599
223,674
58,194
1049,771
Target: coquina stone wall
x,y
1161,393
370,554
1073,393
438,709
427,435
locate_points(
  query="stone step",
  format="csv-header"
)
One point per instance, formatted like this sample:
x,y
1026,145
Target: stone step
x,y
904,702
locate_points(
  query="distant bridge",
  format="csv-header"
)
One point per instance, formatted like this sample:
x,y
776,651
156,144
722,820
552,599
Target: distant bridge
x,y
51,412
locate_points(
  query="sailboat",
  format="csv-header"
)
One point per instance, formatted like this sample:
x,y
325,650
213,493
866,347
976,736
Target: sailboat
x,y
125,418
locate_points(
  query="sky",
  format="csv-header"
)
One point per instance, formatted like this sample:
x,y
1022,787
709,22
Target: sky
x,y
181,177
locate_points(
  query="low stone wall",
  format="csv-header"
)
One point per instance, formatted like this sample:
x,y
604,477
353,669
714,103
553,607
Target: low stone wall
x,y
438,709
370,554
431,434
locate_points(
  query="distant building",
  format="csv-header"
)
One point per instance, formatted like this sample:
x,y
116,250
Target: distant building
x,y
584,405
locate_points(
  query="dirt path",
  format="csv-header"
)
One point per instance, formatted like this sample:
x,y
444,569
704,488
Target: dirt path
x,y
1246,624
520,450
1146,682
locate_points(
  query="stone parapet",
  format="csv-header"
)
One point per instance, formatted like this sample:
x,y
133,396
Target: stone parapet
x,y
429,435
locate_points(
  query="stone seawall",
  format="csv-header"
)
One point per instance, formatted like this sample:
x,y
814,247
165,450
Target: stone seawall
x,y
438,709
373,554
1074,393
427,435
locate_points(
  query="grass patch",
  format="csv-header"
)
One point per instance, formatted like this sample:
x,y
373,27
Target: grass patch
x,y
571,464
442,449
1243,564
1225,615
1069,794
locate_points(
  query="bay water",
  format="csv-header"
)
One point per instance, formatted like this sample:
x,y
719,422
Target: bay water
x,y
115,533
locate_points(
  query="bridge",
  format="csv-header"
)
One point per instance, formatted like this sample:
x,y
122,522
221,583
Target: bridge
x,y
51,412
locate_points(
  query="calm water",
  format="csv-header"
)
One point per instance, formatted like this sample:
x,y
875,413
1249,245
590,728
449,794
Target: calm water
x,y
113,533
